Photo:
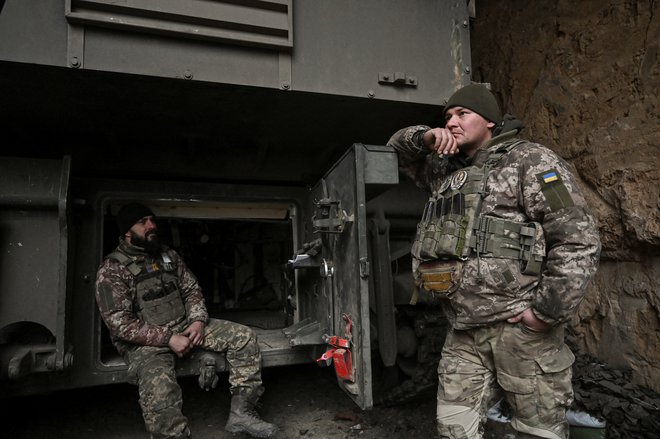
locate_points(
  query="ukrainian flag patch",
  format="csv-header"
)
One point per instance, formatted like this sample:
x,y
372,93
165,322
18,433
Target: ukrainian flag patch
x,y
549,177
555,192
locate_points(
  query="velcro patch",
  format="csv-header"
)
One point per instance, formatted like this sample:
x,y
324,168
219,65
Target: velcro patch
x,y
508,276
107,301
554,190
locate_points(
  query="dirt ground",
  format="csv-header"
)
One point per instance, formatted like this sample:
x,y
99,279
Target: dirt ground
x,y
303,400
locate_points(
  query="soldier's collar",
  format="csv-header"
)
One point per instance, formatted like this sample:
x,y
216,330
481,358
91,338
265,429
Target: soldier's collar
x,y
131,250
491,146
493,142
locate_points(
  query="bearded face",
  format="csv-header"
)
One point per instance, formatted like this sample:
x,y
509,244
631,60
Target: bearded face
x,y
150,242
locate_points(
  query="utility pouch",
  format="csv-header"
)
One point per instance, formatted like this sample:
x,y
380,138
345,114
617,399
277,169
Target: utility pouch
x,y
429,241
442,230
428,231
208,377
416,249
440,276
417,243
159,299
451,239
532,249
163,310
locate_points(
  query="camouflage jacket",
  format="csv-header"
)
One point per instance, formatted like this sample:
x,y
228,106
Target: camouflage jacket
x,y
515,190
116,298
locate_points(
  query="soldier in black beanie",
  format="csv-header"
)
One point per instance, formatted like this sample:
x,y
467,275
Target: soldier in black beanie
x,y
154,309
139,215
130,214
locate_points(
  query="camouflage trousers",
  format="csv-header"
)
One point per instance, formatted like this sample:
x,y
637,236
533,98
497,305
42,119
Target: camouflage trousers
x,y
152,368
531,370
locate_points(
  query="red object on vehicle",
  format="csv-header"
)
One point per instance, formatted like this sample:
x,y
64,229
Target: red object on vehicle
x,y
343,360
340,353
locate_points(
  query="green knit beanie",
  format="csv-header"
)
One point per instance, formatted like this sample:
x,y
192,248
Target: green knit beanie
x,y
477,98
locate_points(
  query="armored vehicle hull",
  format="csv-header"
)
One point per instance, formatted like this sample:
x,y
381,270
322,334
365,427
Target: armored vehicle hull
x,y
254,131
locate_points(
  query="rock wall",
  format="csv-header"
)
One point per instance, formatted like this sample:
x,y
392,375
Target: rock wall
x,y
585,78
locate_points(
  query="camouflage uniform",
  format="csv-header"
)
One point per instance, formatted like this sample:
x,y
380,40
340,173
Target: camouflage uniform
x,y
144,345
484,355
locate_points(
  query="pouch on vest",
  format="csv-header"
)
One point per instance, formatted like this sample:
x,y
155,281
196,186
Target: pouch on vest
x,y
502,238
440,276
450,241
532,256
449,216
159,299
444,233
425,222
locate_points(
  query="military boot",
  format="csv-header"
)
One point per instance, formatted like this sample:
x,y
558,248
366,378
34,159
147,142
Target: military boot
x,y
244,418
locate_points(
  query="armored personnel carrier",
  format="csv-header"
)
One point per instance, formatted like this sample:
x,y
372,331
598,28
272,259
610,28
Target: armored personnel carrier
x,y
255,130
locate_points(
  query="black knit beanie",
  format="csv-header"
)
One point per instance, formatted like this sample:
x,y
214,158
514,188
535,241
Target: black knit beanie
x,y
130,214
477,98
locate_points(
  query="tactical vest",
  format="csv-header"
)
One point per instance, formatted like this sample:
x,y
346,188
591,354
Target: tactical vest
x,y
159,300
452,226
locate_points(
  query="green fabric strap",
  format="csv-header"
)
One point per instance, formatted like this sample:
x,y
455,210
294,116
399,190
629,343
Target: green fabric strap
x,y
126,262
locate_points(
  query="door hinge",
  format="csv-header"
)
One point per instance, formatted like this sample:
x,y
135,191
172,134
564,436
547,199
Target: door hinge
x,y
329,217
364,268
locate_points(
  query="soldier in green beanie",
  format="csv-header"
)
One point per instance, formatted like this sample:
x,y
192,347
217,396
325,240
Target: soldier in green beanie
x,y
507,245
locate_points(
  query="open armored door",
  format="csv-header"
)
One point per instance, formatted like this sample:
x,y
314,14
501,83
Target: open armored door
x,y
337,295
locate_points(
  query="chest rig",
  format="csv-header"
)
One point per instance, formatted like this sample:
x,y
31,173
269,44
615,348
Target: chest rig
x,y
452,226
158,299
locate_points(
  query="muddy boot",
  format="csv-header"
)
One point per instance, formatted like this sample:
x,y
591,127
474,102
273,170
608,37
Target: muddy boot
x,y
244,418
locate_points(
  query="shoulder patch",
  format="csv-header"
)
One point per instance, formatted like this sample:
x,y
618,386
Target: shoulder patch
x,y
106,298
549,177
554,190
